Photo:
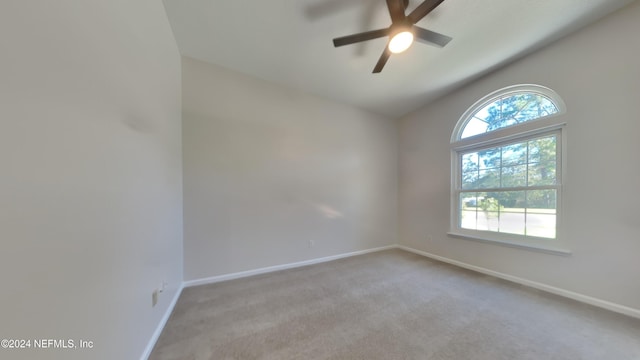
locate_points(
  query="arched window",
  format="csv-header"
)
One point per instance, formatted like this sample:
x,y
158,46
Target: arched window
x,y
507,169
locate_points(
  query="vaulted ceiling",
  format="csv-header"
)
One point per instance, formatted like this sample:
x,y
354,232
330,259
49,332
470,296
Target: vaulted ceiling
x,y
290,42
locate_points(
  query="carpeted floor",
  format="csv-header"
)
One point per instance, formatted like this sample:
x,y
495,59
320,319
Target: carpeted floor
x,y
388,305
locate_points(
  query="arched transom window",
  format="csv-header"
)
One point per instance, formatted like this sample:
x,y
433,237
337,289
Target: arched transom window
x,y
507,169
507,110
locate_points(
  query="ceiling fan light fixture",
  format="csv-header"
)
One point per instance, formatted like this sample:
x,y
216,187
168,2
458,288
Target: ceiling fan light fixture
x,y
402,31
401,41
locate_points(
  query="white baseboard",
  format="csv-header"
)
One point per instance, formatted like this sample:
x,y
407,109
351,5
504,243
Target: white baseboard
x,y
237,275
161,324
551,289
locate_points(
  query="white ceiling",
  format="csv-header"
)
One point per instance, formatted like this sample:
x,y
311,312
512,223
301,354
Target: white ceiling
x,y
290,42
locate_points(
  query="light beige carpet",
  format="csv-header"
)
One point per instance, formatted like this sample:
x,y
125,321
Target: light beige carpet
x,y
388,305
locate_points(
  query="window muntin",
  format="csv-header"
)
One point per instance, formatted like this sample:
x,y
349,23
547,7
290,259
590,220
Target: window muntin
x,y
507,169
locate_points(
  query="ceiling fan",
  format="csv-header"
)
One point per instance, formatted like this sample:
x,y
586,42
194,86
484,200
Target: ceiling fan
x,y
402,31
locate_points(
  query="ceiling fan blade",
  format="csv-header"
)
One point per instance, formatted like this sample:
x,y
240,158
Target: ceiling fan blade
x,y
364,36
423,9
396,10
430,37
383,60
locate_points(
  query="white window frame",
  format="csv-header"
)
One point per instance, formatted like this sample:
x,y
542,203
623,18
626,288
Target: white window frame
x,y
548,125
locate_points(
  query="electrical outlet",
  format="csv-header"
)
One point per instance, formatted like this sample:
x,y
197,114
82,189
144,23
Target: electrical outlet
x,y
154,298
312,243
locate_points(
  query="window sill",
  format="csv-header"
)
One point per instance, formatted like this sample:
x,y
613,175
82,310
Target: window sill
x,y
539,248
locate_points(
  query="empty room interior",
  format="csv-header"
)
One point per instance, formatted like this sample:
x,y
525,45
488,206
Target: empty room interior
x,y
320,179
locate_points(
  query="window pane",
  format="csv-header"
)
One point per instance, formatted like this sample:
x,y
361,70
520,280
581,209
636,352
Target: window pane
x,y
511,199
536,107
543,201
542,150
547,106
470,161
468,220
489,178
514,176
541,213
469,180
490,113
489,158
512,222
541,225
513,107
468,203
542,173
488,220
469,170
515,154
495,118
475,126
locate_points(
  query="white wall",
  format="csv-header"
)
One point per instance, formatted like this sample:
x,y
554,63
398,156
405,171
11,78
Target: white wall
x,y
90,181
268,169
596,72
